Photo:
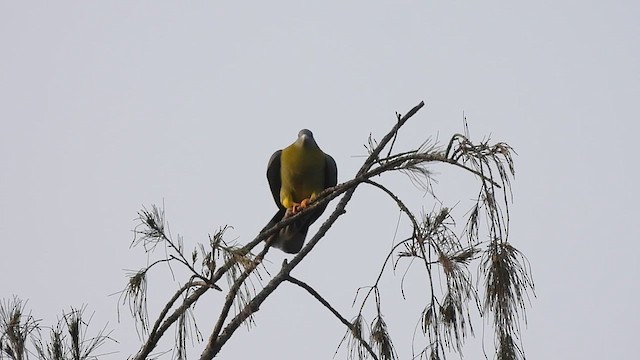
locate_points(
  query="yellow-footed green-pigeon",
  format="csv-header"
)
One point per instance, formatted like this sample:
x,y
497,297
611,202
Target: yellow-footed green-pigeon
x,y
297,174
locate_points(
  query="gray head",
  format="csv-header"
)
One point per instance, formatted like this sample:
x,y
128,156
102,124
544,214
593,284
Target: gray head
x,y
305,132
305,137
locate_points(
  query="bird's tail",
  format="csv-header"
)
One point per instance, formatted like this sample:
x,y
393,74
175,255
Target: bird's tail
x,y
291,237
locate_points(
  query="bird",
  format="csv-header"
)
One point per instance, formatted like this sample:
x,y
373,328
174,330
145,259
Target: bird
x,y
296,175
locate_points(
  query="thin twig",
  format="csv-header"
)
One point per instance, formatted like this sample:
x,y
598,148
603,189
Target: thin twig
x,y
326,304
234,291
152,341
376,152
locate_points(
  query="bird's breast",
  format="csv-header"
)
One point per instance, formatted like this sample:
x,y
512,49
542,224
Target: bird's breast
x,y
301,172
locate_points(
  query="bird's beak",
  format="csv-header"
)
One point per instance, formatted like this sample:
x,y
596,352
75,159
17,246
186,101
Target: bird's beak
x,y
306,140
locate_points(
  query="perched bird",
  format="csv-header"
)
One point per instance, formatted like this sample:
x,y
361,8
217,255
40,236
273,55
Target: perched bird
x,y
297,174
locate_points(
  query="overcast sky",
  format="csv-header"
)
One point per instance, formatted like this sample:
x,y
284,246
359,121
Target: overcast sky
x,y
106,107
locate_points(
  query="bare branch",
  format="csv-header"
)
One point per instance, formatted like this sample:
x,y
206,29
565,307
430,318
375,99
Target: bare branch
x,y
326,304
233,292
153,338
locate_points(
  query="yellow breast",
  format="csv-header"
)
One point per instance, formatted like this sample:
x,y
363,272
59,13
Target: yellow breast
x,y
301,173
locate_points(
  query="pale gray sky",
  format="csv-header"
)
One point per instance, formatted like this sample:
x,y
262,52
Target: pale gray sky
x,y
109,106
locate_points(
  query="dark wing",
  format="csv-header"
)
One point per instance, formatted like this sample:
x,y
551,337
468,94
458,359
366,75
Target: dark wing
x,y
273,175
330,172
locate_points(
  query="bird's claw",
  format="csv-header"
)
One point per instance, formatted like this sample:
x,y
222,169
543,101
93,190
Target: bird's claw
x,y
304,203
297,207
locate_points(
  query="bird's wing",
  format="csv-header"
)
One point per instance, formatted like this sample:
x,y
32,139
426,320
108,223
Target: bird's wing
x,y
273,175
330,172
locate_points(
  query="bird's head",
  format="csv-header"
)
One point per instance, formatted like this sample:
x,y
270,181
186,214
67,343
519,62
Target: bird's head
x,y
305,138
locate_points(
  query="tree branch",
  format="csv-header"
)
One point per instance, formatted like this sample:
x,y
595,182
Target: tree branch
x,y
152,341
374,154
326,304
234,291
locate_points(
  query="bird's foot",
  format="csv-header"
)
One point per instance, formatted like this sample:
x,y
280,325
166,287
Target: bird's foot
x,y
304,203
297,207
294,209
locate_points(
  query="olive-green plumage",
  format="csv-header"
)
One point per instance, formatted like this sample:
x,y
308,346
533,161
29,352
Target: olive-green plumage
x,y
297,174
